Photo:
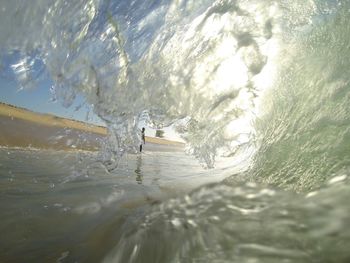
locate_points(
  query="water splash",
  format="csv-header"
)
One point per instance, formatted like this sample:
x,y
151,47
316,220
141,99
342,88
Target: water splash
x,y
166,62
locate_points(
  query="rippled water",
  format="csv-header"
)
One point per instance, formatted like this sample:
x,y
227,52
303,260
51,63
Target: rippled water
x,y
57,203
262,86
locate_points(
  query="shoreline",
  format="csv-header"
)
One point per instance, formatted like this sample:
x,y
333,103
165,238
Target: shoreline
x,y
48,119
22,128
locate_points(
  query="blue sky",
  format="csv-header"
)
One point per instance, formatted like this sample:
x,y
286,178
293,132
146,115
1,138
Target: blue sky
x,y
39,99
30,87
19,90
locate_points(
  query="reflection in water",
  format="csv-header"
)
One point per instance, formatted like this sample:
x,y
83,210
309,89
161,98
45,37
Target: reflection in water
x,y
74,193
138,171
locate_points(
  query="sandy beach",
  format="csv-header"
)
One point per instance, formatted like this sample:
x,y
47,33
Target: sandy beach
x,y
23,128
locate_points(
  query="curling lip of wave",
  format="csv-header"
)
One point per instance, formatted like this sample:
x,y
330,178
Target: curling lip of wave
x,y
189,52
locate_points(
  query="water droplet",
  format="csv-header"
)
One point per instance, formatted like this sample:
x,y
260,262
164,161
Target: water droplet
x,y
337,179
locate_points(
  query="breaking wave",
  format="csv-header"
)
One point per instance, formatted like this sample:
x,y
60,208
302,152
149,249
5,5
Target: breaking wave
x,y
160,62
250,76
263,79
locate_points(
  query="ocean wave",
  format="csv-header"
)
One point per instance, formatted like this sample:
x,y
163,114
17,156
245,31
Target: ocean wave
x,y
267,78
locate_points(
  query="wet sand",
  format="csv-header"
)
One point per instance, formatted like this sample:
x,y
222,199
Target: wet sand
x,y
23,128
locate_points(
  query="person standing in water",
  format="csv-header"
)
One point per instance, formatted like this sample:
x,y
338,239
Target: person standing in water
x,y
142,138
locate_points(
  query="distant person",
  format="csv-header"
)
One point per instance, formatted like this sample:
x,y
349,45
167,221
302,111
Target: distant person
x,y
142,138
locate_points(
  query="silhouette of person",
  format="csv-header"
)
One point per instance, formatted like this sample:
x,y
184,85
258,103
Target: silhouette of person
x,y
142,138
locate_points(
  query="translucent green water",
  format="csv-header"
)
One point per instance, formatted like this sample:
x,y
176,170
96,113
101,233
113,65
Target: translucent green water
x,y
262,86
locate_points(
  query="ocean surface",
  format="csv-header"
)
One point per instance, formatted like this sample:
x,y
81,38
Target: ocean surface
x,y
59,206
260,92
